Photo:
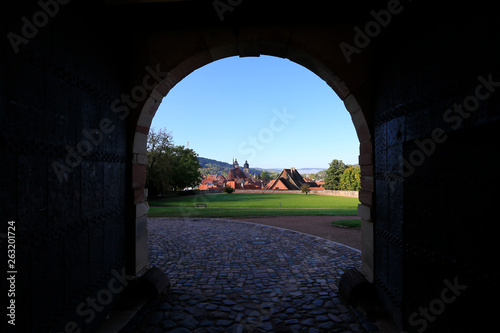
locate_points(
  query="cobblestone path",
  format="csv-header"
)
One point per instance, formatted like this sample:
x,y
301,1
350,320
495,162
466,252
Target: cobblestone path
x,y
232,276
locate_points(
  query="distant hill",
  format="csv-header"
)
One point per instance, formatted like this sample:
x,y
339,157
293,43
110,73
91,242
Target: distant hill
x,y
308,171
214,167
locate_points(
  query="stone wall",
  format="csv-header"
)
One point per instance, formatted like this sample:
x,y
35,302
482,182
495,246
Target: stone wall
x,y
211,191
350,194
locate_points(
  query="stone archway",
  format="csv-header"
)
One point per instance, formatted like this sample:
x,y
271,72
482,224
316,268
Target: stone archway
x,y
353,102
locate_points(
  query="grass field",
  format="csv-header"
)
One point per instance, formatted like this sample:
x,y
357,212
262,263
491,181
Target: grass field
x,y
354,223
250,204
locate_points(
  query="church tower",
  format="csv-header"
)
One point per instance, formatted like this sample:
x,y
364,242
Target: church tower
x,y
246,169
235,164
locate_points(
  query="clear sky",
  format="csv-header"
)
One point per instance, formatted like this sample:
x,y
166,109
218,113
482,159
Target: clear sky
x,y
267,110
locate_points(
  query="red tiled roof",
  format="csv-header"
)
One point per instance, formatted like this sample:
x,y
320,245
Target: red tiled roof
x,y
236,173
289,178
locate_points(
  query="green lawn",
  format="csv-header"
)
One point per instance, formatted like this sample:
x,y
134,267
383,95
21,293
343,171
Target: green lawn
x,y
250,204
355,223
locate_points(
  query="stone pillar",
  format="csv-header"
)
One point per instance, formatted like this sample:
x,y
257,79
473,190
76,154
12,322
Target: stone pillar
x,y
366,193
139,181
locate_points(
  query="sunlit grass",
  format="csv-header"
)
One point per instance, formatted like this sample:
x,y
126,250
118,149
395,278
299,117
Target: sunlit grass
x,y
250,204
258,200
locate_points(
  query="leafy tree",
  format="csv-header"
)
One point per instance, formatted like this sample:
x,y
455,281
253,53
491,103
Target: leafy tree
x,y
169,167
333,174
351,179
305,189
159,164
186,168
264,175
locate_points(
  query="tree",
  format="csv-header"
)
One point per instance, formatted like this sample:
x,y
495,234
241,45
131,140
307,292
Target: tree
x,y
228,189
159,162
351,179
305,189
333,174
186,168
169,167
264,175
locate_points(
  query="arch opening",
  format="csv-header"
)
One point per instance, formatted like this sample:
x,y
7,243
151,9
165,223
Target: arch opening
x,y
179,72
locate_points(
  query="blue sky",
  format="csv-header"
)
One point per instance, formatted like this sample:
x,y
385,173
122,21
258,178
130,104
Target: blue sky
x,y
267,110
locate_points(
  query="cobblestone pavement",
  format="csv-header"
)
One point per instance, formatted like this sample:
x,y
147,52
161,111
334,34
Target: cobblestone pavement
x,y
233,276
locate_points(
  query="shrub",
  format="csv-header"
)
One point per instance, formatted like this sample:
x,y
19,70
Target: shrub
x,y
228,190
